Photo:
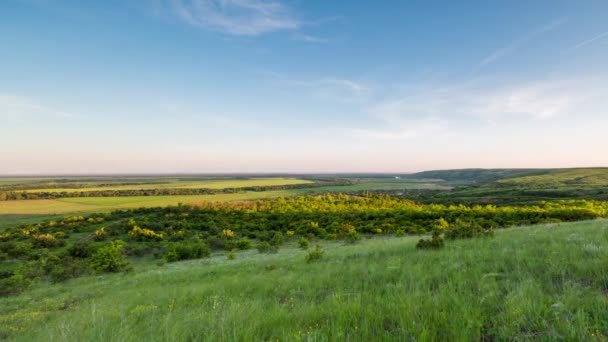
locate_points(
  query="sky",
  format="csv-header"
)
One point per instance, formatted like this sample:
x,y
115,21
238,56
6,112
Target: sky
x,y
196,86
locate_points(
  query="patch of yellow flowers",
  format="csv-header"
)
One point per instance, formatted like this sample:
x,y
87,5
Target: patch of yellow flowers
x,y
227,233
138,233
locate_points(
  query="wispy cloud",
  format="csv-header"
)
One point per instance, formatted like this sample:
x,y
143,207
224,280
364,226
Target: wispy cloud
x,y
238,17
12,106
308,38
589,41
336,88
519,42
438,111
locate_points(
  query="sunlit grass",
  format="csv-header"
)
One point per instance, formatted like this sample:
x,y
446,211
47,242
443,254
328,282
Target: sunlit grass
x,y
547,282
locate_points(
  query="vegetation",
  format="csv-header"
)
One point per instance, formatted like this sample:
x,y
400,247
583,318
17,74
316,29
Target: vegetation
x,y
535,283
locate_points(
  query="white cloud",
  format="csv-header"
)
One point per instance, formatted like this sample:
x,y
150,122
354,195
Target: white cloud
x,y
589,41
238,17
308,38
18,106
518,43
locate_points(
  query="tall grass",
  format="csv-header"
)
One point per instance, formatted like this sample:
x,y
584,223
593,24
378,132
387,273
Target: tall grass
x,y
548,282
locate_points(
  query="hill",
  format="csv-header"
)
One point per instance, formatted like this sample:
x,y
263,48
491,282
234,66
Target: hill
x,y
544,283
478,175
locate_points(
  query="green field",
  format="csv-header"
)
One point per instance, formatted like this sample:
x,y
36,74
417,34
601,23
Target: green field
x,y
13,212
546,282
592,177
206,184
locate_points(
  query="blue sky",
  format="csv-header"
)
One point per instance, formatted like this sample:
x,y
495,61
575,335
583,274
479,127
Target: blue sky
x,y
301,86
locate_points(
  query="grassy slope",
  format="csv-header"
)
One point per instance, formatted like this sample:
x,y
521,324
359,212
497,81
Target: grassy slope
x,y
591,177
546,282
207,184
478,175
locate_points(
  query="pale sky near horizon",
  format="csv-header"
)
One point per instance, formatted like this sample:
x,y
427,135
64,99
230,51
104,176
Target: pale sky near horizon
x,y
193,86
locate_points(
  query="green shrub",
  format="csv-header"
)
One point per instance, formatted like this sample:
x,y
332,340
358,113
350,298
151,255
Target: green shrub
x,y
231,255
81,250
468,230
266,247
315,255
14,284
243,244
303,243
110,258
435,242
187,250
352,237
277,239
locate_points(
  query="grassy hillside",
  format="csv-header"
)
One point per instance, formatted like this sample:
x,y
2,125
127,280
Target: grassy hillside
x,y
582,177
546,282
477,175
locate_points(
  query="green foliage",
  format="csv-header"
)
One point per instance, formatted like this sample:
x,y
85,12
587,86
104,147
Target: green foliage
x,y
352,237
315,255
81,250
243,244
435,242
467,230
303,243
266,247
110,258
187,250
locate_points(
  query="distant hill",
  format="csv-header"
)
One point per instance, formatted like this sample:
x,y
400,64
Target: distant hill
x,y
480,175
591,176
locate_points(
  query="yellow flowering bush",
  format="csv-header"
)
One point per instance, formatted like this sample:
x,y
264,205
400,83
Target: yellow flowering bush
x,y
46,240
290,233
348,228
142,234
100,234
227,233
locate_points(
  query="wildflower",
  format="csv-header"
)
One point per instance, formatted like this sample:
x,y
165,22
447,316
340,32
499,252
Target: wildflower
x,y
227,233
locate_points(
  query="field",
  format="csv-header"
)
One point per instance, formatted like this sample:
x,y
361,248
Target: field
x,y
174,184
545,282
13,212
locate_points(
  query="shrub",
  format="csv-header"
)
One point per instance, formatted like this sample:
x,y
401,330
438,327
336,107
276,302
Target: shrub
x,y
435,242
15,249
231,255
187,250
14,284
266,247
348,228
467,231
227,233
142,234
243,243
46,241
303,243
100,234
81,250
277,239
352,237
110,258
315,255
290,233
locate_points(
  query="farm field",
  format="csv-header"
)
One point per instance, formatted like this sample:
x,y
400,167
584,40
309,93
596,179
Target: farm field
x,y
206,184
545,282
12,212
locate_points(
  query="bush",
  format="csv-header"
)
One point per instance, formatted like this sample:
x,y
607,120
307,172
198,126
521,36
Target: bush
x,y
187,250
266,247
231,255
467,231
243,244
352,237
14,284
435,242
315,255
110,258
81,250
303,243
46,241
277,239
142,234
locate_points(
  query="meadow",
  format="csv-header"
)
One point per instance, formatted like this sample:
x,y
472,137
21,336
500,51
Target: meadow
x,y
546,282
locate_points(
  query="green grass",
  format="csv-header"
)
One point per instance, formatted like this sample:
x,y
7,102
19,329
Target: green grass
x,y
171,184
535,283
597,176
